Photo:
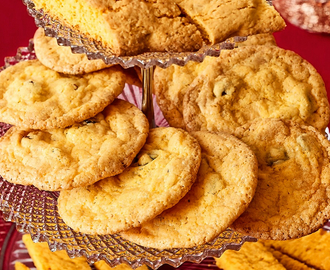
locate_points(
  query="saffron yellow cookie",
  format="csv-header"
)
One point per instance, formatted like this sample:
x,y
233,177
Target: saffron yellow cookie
x,y
75,156
33,96
161,175
61,59
251,256
224,187
256,82
292,198
44,259
172,83
162,25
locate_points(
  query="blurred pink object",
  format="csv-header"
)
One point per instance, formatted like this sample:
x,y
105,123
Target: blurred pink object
x,y
312,15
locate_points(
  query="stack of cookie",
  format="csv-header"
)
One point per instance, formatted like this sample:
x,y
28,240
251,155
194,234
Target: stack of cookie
x,y
253,155
276,103
69,128
71,134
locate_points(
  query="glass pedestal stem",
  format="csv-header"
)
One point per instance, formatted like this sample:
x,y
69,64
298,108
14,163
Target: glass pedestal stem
x,y
147,89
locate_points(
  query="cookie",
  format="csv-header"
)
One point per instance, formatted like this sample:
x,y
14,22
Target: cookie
x,y
287,261
158,26
61,59
102,265
162,25
218,19
164,171
45,259
33,96
313,249
254,40
21,266
256,82
251,256
293,191
76,156
171,84
219,195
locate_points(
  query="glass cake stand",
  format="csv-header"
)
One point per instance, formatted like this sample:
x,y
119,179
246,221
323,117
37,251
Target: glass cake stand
x,y
35,212
82,43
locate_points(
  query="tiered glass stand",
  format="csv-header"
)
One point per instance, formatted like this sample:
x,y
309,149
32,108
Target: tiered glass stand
x,y
35,211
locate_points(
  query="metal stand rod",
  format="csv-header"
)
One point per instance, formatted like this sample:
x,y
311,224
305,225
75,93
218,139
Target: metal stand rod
x,y
147,89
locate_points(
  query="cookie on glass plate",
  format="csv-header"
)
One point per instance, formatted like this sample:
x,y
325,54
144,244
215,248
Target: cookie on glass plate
x,y
161,175
33,96
61,59
292,198
256,82
224,187
75,156
162,26
219,19
171,84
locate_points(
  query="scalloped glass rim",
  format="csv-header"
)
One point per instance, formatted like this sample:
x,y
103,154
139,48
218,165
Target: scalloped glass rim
x,y
80,43
35,212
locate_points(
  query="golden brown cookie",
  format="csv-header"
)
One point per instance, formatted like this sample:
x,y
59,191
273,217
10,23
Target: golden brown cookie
x,y
158,26
219,19
172,83
164,171
21,266
256,82
60,58
219,195
44,259
34,96
76,156
293,193
254,40
251,256
313,249
289,262
163,25
102,265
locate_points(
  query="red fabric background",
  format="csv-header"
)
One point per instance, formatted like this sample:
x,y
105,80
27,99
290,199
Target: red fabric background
x,y
17,27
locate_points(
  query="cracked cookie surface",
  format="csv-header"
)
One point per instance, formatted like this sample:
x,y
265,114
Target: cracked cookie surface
x,y
163,25
172,83
157,26
225,185
293,193
33,96
161,175
256,82
219,19
79,155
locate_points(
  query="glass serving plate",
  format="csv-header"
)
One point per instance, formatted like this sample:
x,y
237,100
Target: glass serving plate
x,y
81,43
13,250
35,212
